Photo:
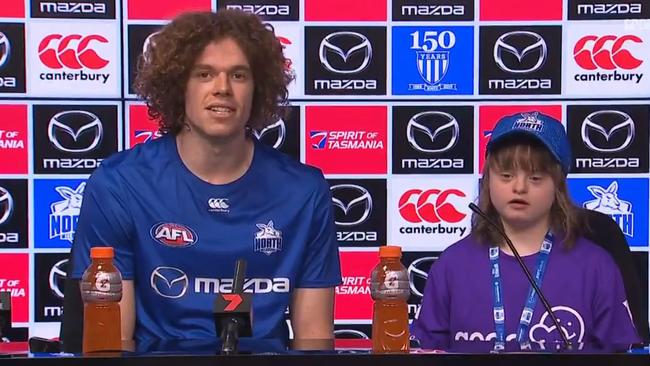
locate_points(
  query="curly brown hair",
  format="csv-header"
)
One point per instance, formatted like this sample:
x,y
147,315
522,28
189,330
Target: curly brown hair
x,y
163,74
531,156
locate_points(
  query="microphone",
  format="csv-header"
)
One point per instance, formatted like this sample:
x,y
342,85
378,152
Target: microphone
x,y
232,312
541,296
5,316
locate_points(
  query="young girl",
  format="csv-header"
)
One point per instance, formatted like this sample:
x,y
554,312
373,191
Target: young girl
x,y
476,282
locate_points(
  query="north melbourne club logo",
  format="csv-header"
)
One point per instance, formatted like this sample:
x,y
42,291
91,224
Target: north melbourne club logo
x,y
607,201
529,121
268,240
433,60
65,214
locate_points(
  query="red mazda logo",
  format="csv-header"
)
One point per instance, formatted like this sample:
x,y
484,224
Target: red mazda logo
x,y
606,52
431,206
73,51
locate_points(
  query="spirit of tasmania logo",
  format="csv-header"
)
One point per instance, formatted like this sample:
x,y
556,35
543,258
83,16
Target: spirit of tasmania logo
x,y
347,140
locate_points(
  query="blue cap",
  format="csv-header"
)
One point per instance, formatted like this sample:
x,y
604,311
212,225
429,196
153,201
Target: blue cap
x,y
546,129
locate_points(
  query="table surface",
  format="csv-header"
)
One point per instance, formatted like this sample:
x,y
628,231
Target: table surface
x,y
347,352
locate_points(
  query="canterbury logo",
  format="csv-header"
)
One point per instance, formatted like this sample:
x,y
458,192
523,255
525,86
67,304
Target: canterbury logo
x,y
233,301
606,52
73,51
430,206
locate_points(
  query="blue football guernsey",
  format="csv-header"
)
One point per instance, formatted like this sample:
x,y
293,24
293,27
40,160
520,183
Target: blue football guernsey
x,y
178,237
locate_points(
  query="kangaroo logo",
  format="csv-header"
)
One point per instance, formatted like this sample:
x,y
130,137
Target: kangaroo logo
x,y
268,240
607,202
64,214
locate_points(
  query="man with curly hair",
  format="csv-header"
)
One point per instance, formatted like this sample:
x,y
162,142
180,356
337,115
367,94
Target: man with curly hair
x,y
181,209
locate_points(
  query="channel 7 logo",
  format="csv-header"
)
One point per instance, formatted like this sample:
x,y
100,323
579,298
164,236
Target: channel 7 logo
x,y
433,60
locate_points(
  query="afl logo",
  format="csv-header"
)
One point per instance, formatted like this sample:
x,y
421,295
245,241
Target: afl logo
x,y
173,235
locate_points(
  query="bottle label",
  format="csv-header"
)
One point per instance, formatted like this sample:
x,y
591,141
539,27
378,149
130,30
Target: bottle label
x,y
395,284
102,287
103,282
391,281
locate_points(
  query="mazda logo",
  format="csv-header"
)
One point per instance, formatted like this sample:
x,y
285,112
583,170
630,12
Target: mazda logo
x,y
5,49
75,131
277,129
6,205
57,277
149,42
616,121
432,124
354,195
169,282
336,52
418,272
520,52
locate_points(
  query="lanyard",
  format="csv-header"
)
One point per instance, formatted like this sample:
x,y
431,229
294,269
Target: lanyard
x,y
531,300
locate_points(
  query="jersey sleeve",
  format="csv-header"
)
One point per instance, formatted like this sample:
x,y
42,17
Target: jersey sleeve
x,y
104,220
321,267
431,327
613,324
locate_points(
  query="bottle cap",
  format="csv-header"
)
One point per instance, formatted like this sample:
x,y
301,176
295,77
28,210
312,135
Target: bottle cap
x,y
390,251
102,252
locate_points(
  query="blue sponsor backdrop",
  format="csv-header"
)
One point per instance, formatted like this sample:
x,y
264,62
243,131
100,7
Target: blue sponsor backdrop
x,y
624,199
432,64
433,60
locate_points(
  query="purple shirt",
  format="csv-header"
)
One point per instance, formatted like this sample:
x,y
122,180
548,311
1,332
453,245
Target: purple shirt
x,y
583,286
